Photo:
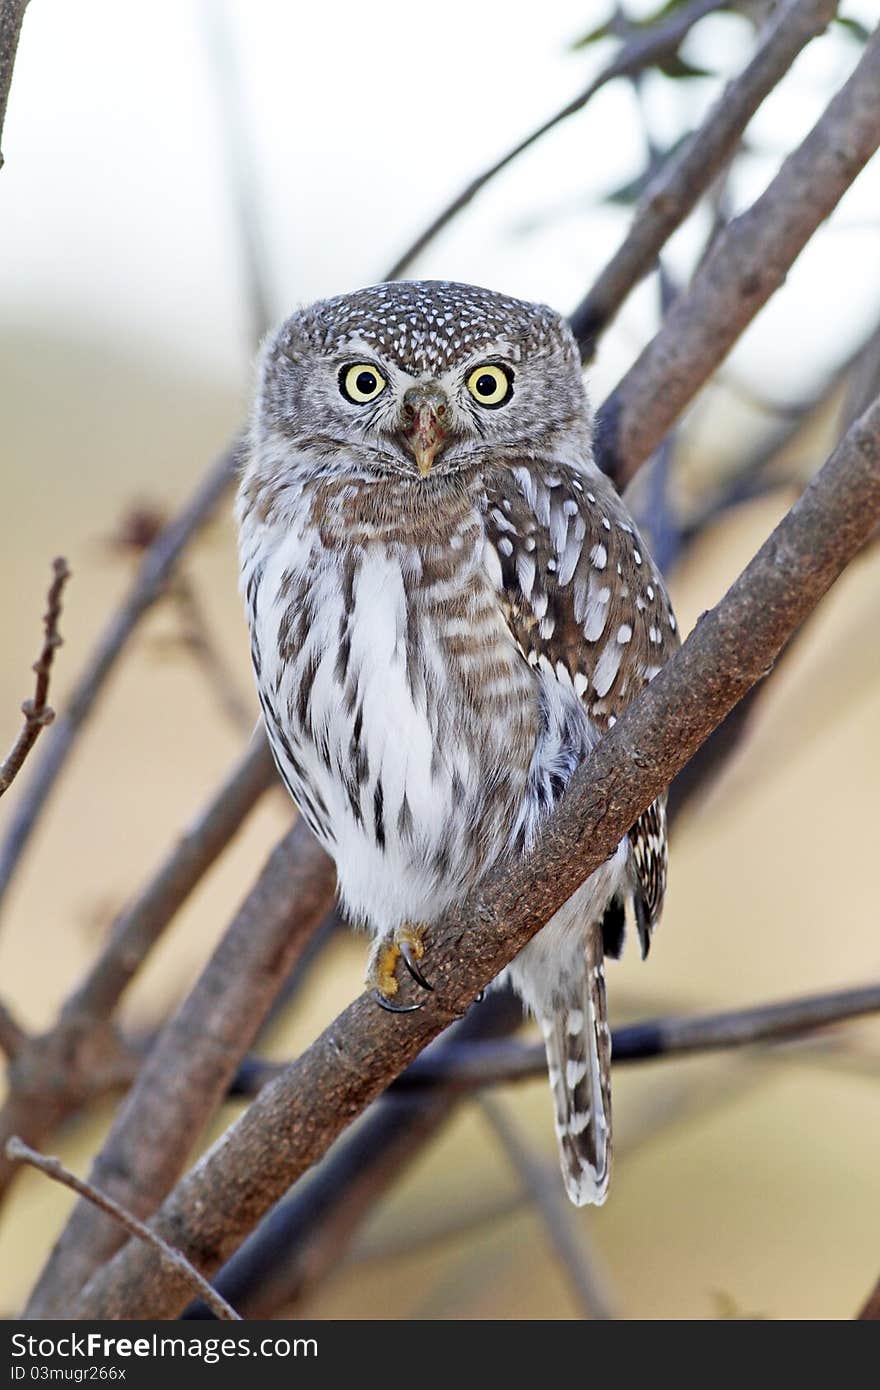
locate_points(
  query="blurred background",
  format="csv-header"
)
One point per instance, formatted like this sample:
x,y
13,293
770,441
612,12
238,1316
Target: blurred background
x,y
154,156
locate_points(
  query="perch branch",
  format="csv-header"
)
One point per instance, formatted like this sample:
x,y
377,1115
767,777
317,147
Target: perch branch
x,y
680,181
294,1120
642,49
157,566
748,262
37,711
172,1259
306,1234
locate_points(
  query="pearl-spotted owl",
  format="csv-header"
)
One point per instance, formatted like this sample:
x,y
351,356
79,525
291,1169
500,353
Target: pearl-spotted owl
x,y
449,604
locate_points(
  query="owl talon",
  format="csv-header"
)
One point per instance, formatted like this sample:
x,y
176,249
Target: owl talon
x,y
385,1003
408,957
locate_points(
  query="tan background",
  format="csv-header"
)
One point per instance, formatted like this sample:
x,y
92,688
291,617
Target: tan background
x,y
744,1185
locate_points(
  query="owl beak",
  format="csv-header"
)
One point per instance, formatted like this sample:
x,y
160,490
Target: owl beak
x,y
424,435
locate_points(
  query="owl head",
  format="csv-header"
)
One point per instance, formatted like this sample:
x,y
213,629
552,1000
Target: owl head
x,y
413,378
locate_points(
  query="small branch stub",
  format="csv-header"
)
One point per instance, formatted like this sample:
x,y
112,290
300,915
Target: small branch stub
x,y
37,712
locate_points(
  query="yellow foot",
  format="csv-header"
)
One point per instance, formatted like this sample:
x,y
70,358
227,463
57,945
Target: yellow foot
x,y
407,945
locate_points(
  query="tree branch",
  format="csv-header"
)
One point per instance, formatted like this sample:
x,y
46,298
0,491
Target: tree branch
x,y
748,262
55,1072
680,181
464,1066
172,1259
37,711
308,1231
11,16
189,1070
156,568
642,49
295,1119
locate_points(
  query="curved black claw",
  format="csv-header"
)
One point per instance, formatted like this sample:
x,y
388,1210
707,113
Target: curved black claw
x,y
408,957
385,1003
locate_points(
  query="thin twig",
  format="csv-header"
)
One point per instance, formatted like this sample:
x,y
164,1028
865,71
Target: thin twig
x,y
468,1066
196,639
11,16
239,163
748,262
566,1231
36,710
156,568
293,1121
641,50
685,176
52,1168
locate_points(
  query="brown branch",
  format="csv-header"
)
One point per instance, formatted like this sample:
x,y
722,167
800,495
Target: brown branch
x,y
36,710
308,1232
12,1036
748,262
870,1312
641,50
158,565
567,1235
172,1259
681,181
77,1060
293,1121
11,16
188,1071
195,638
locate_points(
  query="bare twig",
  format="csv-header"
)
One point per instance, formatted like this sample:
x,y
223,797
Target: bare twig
x,y
172,1259
566,1232
37,711
11,16
156,568
294,1120
55,1072
643,48
12,1036
681,180
239,163
196,639
468,1065
189,1069
748,263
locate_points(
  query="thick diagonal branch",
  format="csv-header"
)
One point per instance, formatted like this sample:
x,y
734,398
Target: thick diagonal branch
x,y
295,1119
748,262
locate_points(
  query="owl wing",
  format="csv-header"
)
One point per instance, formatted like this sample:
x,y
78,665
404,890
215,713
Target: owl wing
x,y
585,603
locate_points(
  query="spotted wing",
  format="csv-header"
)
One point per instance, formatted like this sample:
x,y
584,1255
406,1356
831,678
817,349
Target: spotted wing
x,y
585,603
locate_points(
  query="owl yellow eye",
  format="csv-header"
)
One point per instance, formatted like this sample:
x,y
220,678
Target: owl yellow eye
x,y
490,385
361,383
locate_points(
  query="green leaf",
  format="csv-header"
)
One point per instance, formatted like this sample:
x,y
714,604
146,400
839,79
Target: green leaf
x,y
604,31
675,66
855,28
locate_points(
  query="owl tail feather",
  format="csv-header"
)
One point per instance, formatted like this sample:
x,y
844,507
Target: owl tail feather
x,y
578,1046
